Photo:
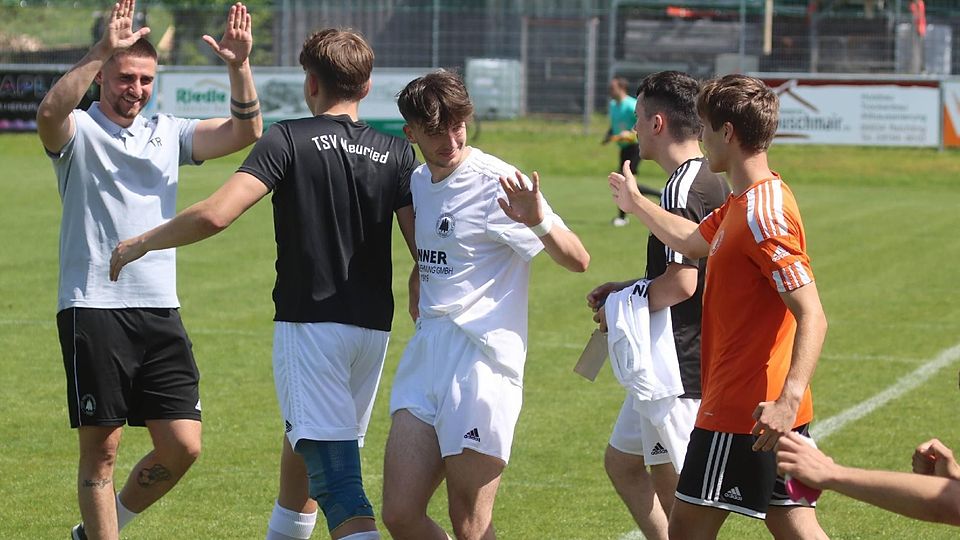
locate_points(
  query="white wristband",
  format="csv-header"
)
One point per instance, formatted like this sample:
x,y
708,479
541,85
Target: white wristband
x,y
543,228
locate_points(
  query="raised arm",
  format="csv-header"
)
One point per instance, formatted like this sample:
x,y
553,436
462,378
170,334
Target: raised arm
x,y
525,205
54,122
775,418
679,233
202,220
918,496
217,137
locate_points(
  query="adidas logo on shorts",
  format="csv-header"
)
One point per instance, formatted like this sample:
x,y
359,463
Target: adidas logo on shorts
x,y
288,427
473,434
658,449
733,494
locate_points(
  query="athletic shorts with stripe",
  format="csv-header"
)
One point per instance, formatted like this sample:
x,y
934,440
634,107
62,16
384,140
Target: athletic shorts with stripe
x,y
320,370
446,380
127,366
723,471
635,434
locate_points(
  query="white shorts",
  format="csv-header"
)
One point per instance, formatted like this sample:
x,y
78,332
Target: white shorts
x,y
445,380
319,369
635,434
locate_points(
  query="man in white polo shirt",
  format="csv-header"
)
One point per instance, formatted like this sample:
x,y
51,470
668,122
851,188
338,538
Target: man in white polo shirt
x,y
457,392
127,357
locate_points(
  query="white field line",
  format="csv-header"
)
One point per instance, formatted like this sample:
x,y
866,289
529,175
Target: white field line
x,y
910,381
825,428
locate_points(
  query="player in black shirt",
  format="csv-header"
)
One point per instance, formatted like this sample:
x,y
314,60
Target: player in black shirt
x,y
336,184
668,130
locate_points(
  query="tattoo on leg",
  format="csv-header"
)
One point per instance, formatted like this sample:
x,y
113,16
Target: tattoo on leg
x,y
99,483
149,477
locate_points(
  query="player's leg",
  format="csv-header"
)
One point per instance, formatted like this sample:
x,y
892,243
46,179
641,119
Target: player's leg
x,y
294,514
626,466
794,522
412,465
176,446
472,482
412,471
629,476
98,456
166,399
786,518
475,428
98,357
693,522
313,373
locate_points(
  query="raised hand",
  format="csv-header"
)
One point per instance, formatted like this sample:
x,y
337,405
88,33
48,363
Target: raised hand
x,y
118,31
523,204
237,41
623,188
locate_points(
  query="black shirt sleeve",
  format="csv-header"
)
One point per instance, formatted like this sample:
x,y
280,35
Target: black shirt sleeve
x,y
408,163
271,156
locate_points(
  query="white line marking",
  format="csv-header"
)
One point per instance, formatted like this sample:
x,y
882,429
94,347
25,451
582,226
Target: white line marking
x,y
910,381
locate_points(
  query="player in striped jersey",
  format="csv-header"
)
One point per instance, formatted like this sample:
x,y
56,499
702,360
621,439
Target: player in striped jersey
x,y
667,128
763,324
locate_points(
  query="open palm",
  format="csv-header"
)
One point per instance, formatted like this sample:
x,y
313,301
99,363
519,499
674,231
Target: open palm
x,y
237,41
118,33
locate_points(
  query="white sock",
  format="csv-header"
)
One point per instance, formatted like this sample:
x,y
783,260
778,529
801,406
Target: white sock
x,y
287,524
365,535
124,515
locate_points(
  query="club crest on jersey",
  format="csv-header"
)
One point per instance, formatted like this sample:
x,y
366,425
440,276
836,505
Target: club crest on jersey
x,y
445,225
88,405
717,240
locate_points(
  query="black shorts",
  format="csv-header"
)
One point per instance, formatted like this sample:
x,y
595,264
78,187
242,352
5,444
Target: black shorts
x,y
632,153
721,470
127,366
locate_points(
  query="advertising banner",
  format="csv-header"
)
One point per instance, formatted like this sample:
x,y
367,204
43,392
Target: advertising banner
x,y
869,113
206,94
951,114
22,89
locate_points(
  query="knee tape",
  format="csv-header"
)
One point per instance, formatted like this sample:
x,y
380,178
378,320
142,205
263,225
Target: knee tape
x,y
333,468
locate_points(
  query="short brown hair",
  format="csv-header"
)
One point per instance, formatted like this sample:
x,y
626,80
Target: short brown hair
x,y
342,61
141,48
747,103
435,101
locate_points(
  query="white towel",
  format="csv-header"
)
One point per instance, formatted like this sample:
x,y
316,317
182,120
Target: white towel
x,y
642,351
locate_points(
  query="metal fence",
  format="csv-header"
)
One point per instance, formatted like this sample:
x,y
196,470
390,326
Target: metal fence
x,y
558,53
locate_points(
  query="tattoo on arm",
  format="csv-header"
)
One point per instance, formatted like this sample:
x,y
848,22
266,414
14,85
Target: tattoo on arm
x,y
99,483
153,475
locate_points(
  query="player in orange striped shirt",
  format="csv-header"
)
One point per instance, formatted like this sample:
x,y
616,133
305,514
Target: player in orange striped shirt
x,y
763,325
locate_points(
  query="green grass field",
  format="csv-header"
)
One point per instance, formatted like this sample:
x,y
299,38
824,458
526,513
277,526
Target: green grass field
x,y
880,230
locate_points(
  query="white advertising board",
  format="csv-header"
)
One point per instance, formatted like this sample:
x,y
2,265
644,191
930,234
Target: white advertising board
x,y
858,112
206,94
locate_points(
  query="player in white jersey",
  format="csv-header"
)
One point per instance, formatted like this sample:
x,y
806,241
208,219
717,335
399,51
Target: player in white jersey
x,y
457,392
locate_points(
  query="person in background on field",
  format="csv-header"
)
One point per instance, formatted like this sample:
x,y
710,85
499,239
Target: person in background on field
x,y
763,325
931,494
457,391
668,129
621,116
127,357
336,184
